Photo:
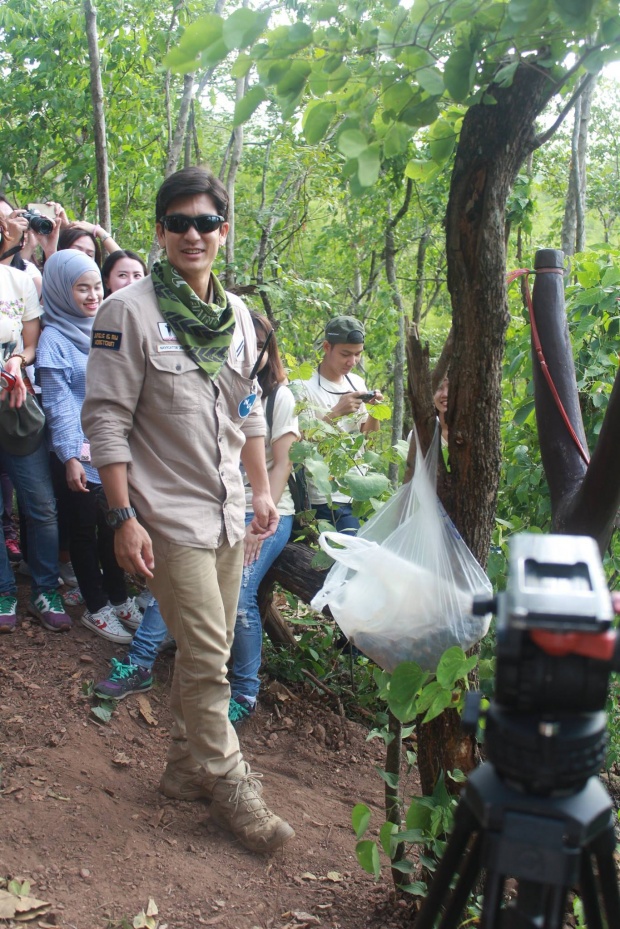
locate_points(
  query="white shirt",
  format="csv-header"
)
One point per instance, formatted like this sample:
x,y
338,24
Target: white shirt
x,y
19,303
321,396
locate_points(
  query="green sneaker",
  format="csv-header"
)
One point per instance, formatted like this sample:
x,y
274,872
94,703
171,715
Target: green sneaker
x,y
8,613
126,678
48,607
239,710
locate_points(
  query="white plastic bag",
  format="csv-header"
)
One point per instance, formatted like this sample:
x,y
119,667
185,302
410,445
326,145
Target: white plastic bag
x,y
402,589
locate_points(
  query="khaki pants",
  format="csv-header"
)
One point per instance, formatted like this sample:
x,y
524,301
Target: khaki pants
x,y
197,590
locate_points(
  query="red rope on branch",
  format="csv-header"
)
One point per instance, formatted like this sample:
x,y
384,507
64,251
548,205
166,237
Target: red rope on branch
x,y
525,272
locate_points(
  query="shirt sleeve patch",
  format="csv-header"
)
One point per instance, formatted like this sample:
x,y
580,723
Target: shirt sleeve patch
x,y
103,338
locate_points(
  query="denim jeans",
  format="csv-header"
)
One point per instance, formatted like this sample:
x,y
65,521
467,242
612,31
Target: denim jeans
x,y
341,516
31,478
148,637
248,640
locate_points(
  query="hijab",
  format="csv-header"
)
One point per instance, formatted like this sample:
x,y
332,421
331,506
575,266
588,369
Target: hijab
x,y
61,271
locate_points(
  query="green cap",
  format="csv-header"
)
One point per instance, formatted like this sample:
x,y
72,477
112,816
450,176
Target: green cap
x,y
344,330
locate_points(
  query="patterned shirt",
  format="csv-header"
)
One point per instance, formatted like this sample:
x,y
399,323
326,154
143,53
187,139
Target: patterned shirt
x,y
62,374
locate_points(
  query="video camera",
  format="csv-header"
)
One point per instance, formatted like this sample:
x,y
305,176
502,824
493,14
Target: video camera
x,y
546,727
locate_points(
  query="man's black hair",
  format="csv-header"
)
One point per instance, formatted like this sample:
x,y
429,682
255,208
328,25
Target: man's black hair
x,y
187,183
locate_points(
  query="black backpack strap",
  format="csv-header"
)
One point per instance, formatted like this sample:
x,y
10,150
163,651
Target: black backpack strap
x,y
271,399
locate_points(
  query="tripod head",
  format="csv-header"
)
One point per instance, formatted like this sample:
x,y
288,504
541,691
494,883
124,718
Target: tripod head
x,y
546,727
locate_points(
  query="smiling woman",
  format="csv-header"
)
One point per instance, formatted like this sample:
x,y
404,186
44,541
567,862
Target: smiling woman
x,y
72,293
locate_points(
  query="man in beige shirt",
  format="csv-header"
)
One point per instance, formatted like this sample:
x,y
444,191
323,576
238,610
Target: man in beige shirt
x,y
170,410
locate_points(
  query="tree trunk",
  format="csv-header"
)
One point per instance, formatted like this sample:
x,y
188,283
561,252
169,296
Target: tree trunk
x,y
492,146
96,92
233,167
584,498
419,276
573,224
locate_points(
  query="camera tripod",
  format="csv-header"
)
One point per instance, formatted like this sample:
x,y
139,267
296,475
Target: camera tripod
x,y
547,843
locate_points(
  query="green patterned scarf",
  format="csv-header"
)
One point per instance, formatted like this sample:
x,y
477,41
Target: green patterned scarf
x,y
205,329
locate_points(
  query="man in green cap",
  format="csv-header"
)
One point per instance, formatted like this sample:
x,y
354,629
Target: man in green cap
x,y
338,396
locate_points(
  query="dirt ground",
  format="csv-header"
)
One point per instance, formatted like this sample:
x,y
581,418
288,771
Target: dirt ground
x,y
82,820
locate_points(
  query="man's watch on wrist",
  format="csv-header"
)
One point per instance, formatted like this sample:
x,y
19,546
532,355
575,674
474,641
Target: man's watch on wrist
x,y
116,517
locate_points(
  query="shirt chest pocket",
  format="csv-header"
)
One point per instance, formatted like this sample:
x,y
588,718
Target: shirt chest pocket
x,y
173,383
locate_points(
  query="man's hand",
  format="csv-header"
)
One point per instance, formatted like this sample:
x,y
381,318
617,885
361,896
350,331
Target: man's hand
x,y
76,476
14,227
266,517
348,403
133,548
251,547
378,398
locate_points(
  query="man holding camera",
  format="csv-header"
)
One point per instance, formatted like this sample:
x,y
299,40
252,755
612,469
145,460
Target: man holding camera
x,y
338,396
170,409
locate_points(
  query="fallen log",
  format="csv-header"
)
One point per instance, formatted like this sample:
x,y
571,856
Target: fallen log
x,y
293,571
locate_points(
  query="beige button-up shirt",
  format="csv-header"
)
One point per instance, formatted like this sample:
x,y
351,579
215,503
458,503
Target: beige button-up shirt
x,y
149,404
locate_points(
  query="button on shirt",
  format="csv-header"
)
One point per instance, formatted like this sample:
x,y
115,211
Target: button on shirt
x,y
181,433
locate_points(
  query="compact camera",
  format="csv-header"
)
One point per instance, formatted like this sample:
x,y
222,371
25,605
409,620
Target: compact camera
x,y
367,397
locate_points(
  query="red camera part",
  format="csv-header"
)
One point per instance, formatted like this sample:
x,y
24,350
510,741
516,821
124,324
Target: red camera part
x,y
7,380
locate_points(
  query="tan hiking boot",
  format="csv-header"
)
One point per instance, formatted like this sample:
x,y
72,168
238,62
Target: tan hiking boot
x,y
186,785
238,807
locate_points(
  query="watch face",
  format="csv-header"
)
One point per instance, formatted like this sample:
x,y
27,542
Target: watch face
x,y
112,519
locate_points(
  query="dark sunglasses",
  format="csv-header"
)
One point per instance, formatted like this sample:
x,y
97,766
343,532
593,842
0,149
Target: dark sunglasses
x,y
179,222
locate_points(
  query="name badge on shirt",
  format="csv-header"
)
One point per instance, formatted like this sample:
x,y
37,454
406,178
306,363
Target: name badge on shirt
x,y
106,339
166,333
170,348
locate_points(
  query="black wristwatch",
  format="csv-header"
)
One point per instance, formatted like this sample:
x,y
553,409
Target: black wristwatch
x,y
117,517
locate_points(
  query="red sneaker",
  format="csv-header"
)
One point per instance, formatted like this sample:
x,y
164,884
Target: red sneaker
x,y
13,550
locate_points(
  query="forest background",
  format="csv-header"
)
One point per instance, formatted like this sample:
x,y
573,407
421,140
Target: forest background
x,y
323,224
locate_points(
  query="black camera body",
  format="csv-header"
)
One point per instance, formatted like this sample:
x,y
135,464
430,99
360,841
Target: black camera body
x,y
546,726
37,222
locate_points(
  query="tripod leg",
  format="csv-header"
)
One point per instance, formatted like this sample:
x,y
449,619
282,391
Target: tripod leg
x,y
464,824
493,893
464,886
604,847
589,895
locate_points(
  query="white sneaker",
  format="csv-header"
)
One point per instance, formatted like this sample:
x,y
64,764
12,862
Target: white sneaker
x,y
143,599
106,624
128,613
67,574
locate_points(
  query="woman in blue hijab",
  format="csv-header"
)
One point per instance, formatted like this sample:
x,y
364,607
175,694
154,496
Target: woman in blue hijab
x,y
72,294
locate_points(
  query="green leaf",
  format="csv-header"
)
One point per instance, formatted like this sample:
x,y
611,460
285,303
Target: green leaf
x,y
404,866
431,80
320,475
321,561
413,836
200,34
398,95
396,140
405,684
248,104
574,12
294,80
316,121
422,171
385,837
366,486
369,165
419,815
440,703
243,27
103,711
442,141
390,778
302,372
459,74
352,143
380,411
368,856
454,665
418,888
241,66
179,61
360,818
214,53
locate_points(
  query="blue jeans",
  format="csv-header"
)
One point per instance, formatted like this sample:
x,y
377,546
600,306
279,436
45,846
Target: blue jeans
x,y
31,478
341,516
148,637
248,640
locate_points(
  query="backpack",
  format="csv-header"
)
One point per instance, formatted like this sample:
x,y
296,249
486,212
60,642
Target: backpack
x,y
297,482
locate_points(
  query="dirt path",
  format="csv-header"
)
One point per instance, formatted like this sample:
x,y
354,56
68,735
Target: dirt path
x,y
82,820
